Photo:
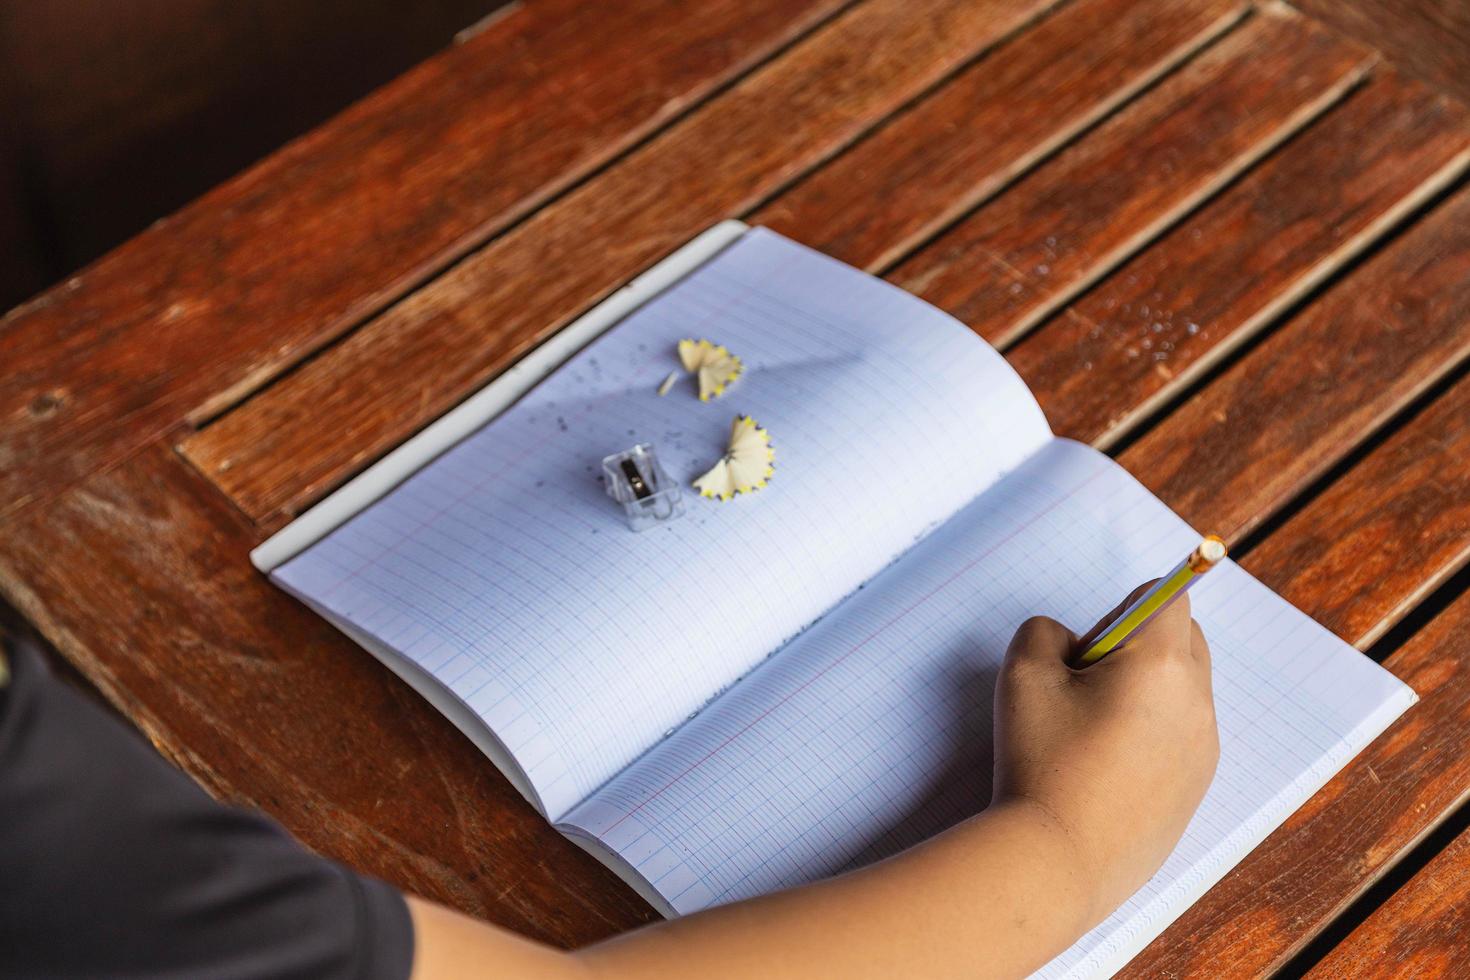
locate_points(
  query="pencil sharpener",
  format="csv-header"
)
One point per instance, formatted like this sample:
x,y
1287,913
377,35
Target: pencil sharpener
x,y
636,481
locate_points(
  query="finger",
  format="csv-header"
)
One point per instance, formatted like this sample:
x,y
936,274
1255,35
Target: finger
x,y
1171,623
1165,634
1108,619
1041,641
1199,647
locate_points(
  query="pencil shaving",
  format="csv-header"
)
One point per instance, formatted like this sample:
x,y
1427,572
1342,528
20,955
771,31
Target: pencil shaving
x,y
715,366
746,466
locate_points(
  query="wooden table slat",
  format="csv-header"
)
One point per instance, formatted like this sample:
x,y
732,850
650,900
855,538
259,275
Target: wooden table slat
x,y
1420,931
308,433
1397,524
1254,437
1356,558
1427,38
990,124
1219,277
1014,261
270,265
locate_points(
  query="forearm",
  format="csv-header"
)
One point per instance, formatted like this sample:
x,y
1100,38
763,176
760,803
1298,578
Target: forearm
x,y
1000,894
997,895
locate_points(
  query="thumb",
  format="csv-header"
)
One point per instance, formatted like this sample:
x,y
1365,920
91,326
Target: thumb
x,y
1040,643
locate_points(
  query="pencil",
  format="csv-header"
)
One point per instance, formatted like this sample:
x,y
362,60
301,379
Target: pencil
x,y
1109,636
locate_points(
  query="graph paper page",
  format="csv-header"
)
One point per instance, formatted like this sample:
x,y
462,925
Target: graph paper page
x,y
873,731
504,570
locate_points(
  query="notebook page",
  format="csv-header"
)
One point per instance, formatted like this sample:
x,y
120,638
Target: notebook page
x,y
873,730
504,570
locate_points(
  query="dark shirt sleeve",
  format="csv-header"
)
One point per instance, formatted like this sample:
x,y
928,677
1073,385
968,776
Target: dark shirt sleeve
x,y
114,864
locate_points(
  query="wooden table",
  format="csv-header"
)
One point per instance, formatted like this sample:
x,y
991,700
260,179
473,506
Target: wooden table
x,y
1256,230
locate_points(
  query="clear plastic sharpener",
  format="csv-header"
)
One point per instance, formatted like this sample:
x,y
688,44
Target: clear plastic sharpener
x,y
635,480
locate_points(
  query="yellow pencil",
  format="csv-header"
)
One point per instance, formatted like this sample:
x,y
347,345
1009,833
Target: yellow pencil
x,y
1109,636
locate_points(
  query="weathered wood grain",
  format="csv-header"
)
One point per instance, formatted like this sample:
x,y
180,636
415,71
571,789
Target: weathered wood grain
x,y
1420,931
205,305
1012,262
1430,38
140,577
993,122
1255,436
1356,559
1216,279
1397,523
307,433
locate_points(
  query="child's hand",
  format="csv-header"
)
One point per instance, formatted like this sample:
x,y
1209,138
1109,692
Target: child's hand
x,y
1117,755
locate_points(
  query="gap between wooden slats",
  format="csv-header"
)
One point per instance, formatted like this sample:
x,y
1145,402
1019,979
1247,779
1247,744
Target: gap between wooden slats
x,y
244,452
1173,316
926,168
473,321
1394,903
1107,197
1357,556
213,301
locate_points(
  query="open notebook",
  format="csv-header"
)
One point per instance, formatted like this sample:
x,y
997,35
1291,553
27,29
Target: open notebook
x,y
799,681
